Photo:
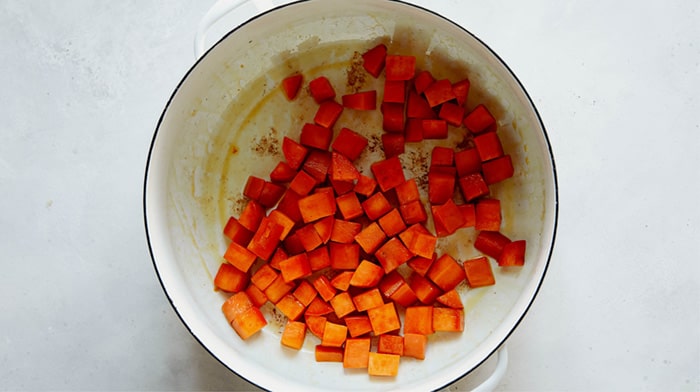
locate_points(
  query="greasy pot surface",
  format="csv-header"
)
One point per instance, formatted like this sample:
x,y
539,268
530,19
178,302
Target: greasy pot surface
x,y
226,121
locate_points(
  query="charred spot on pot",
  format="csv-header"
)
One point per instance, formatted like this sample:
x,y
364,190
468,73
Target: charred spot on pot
x,y
267,144
234,149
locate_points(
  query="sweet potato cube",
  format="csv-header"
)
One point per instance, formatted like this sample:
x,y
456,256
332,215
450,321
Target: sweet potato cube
x,y
317,164
294,153
365,185
417,108
292,246
452,113
407,191
280,255
265,239
394,287
383,364
491,243
425,290
344,232
442,156
367,274
469,213
480,120
358,325
478,272
315,324
384,318
319,258
257,297
341,281
451,299
399,67
249,322
239,256
434,128
422,245
356,354
342,187
327,113
488,215
302,183
393,144
422,80
293,334
392,254
342,169
318,307
282,173
513,254
498,169
368,300
321,89
448,320
349,206
324,228
264,276
230,279
328,354
235,305
253,187
419,319
334,335
278,289
392,117
448,216
414,345
390,344
342,304
305,292
361,100
291,85
421,265
439,92
488,145
446,273
376,205
295,267
344,256
392,223
413,212
374,60
370,238
251,216
394,91
441,185
235,231
316,206
349,143
308,237
271,194
461,90
473,186
324,287
283,220
289,205
467,162
406,236
290,306
315,136
388,173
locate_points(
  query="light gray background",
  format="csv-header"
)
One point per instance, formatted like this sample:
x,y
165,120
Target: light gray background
x,y
82,84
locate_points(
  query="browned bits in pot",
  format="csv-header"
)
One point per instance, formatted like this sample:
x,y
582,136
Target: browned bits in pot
x,y
267,144
356,73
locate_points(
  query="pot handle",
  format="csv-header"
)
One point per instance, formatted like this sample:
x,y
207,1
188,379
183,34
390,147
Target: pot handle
x,y
216,12
495,378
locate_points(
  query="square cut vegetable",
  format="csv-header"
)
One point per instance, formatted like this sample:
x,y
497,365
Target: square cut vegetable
x,y
324,228
230,279
452,113
327,114
334,335
376,206
324,287
295,267
358,325
290,306
439,92
461,91
400,67
319,258
488,145
422,245
393,117
344,256
270,194
328,354
422,80
394,91
239,257
289,205
451,299
442,156
394,287
413,212
384,319
342,304
363,100
279,255
349,206
392,223
235,231
419,319
468,211
367,274
291,85
473,186
488,215
446,273
349,143
393,144
252,215
448,320
480,120
370,238
264,276
467,162
388,173
418,108
253,187
383,364
491,243
407,191
414,345
283,220
294,334
434,129
257,297
321,89
497,169
308,237
392,254
390,344
278,289
316,206
293,152
421,265
368,300
441,184
317,164
478,272
341,281
316,136
245,318
448,216
425,290
356,353
365,186
513,254
318,307
374,59
305,292
344,232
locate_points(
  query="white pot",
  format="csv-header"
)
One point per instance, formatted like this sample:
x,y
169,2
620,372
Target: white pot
x,y
225,121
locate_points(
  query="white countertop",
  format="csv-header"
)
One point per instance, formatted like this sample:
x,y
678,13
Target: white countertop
x,y
84,83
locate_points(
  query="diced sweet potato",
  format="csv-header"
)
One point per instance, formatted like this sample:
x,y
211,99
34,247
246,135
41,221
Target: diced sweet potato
x,y
367,274
358,325
513,254
451,299
446,273
383,364
448,320
328,354
334,335
384,318
390,344
342,304
419,319
230,279
295,267
414,345
367,300
290,306
392,254
293,334
356,354
239,256
478,272
388,173
370,238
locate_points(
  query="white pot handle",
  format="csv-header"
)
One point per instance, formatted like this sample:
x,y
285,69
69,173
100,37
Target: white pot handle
x,y
223,7
498,372
216,12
